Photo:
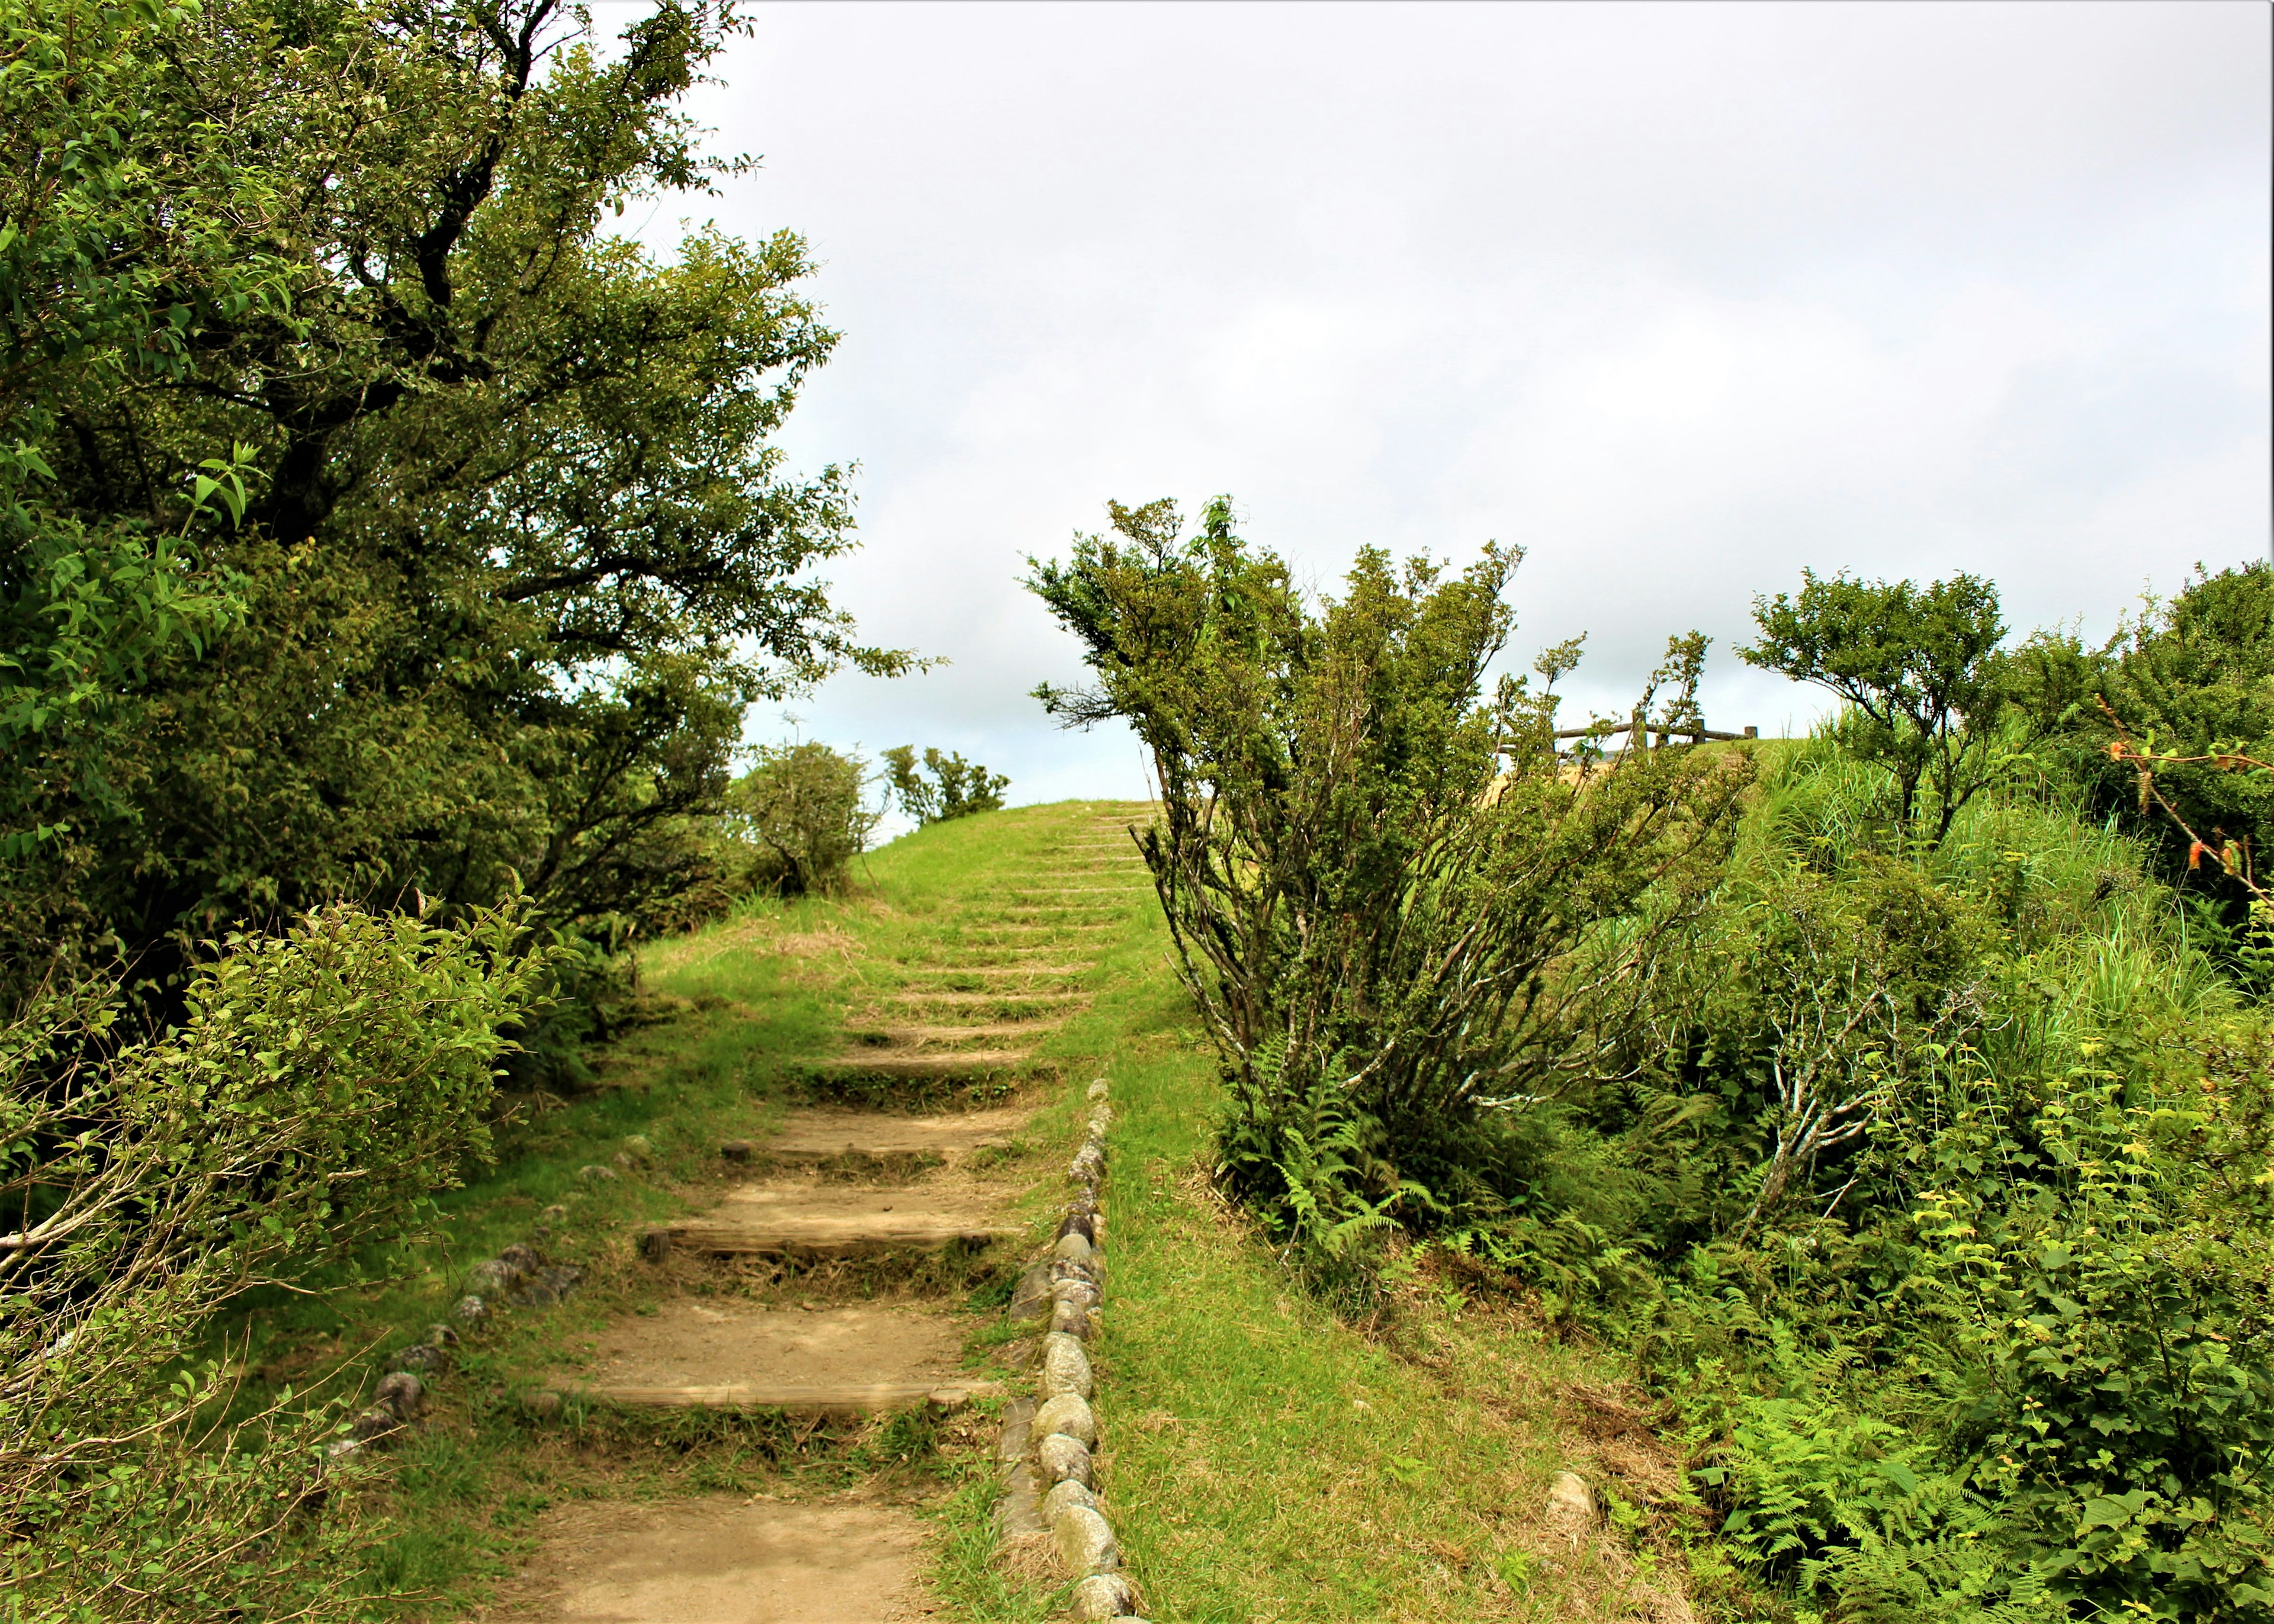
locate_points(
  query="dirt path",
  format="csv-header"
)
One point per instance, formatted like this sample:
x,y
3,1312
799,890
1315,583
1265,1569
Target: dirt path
x,y
842,1192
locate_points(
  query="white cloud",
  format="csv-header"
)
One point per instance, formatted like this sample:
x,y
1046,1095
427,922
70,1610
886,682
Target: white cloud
x,y
1682,298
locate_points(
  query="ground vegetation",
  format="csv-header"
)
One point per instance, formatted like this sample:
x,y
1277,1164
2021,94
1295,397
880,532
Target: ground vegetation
x,y
1922,1169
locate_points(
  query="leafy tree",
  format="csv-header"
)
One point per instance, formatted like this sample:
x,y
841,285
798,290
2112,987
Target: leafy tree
x,y
1919,668
956,788
507,552
1376,875
2193,678
803,809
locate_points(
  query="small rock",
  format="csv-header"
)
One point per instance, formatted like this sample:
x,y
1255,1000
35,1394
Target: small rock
x,y
1069,1414
1074,1248
543,1403
1098,1089
471,1310
1091,1272
1078,1223
376,1422
1086,1544
1018,1513
1103,1596
421,1357
340,1448
1100,1120
636,1146
1066,1367
1571,1506
1089,1165
1070,1319
555,1214
737,1150
1062,1459
522,1256
624,1160
1030,1298
593,1173
1082,1294
1065,1494
493,1277
1018,1429
655,1245
402,1393
441,1335
562,1278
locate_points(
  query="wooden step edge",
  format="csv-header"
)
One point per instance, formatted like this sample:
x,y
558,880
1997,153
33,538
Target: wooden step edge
x,y
753,1241
976,1063
953,995
806,1155
867,1398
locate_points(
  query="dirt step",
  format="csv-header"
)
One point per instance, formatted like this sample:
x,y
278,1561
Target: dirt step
x,y
725,1559
1014,929
811,1136
969,1064
960,999
1000,972
699,1345
866,1031
875,1398
834,1221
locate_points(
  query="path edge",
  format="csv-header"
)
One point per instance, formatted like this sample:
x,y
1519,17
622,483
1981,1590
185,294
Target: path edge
x,y
1046,1450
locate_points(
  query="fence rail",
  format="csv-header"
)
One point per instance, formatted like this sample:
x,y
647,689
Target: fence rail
x,y
1639,733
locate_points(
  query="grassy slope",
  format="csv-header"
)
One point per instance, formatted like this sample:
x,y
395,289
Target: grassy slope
x,y
1263,1460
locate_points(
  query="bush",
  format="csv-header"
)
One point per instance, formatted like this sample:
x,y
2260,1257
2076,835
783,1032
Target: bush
x,y
801,818
956,788
324,1085
1369,867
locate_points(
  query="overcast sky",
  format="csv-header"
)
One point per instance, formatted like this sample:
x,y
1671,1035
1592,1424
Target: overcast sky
x,y
1679,298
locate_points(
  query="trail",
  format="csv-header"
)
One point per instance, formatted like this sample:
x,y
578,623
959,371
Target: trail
x,y
852,1184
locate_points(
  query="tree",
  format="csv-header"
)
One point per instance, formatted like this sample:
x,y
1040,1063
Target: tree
x,y
2194,678
513,551
1919,668
956,788
1377,876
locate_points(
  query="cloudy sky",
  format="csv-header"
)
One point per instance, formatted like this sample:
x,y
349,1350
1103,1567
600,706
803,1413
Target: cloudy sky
x,y
1679,298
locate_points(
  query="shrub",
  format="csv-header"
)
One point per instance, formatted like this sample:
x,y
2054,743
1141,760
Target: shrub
x,y
801,815
956,787
1369,867
1918,666
323,1085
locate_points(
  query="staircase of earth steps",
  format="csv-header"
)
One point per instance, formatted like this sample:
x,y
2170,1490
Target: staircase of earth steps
x,y
983,986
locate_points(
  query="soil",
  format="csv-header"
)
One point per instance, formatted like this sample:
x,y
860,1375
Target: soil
x,y
814,1135
693,1341
724,1561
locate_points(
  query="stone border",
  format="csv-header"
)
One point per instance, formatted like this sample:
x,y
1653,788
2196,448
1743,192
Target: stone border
x,y
1050,1439
517,1276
